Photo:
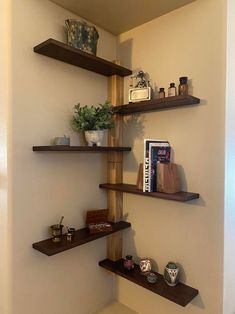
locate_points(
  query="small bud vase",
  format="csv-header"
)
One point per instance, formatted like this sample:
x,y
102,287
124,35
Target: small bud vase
x,y
128,263
171,274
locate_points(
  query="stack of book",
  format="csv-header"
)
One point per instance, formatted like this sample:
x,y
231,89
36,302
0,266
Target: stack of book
x,y
155,151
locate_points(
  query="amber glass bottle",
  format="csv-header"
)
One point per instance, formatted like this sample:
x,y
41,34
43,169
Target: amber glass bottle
x,y
161,92
183,87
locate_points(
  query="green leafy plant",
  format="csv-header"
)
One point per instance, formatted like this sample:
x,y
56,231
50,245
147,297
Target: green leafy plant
x,y
93,118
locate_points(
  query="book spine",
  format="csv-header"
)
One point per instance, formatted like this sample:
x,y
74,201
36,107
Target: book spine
x,y
146,166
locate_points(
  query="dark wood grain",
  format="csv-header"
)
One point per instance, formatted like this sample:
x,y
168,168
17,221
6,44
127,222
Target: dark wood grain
x,y
157,104
130,188
82,236
60,51
180,294
94,149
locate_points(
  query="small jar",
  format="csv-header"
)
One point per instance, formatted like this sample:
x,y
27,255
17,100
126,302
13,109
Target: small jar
x,y
183,87
171,274
128,263
70,234
172,90
161,92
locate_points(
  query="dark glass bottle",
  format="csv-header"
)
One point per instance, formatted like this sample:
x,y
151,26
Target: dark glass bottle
x,y
161,93
183,87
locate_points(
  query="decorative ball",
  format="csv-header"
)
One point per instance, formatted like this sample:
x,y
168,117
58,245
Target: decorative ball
x,y
145,265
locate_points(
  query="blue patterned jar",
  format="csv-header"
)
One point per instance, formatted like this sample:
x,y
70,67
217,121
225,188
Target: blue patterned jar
x,y
171,274
82,36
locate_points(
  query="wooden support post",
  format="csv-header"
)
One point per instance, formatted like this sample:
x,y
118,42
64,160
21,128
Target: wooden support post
x,y
115,168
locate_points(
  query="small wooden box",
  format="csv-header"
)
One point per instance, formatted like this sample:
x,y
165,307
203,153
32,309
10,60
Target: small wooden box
x,y
97,221
168,180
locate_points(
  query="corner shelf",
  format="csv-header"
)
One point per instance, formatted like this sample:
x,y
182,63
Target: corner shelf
x,y
130,188
82,236
66,148
180,294
63,52
157,104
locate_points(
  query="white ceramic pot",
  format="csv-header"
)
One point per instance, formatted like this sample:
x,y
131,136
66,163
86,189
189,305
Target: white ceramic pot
x,y
94,138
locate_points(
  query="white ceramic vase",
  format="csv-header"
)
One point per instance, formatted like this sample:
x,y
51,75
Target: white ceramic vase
x,y
94,138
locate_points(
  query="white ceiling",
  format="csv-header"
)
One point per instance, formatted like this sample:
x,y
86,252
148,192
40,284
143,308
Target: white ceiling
x,y
119,16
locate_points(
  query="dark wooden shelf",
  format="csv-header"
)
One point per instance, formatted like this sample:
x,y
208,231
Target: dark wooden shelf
x,y
82,236
60,51
130,188
61,148
180,294
157,104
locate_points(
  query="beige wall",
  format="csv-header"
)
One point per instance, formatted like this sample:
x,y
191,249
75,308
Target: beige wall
x,y
229,252
190,41
5,153
47,185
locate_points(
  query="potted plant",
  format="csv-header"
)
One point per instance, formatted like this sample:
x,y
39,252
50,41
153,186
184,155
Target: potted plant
x,y
93,121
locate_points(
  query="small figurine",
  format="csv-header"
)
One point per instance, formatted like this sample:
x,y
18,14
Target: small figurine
x,y
128,262
141,90
171,274
143,81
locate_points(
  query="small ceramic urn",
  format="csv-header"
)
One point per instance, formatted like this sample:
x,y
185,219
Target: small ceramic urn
x,y
171,274
128,262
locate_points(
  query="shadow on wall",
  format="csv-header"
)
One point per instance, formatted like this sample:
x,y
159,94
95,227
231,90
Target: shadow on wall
x,y
134,127
124,53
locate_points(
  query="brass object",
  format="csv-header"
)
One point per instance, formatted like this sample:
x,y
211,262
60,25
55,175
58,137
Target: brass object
x,y
57,232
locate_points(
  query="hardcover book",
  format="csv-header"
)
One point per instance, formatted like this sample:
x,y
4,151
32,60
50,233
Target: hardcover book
x,y
149,143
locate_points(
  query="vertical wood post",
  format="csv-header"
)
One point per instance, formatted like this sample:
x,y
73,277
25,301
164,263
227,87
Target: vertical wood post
x,y
115,168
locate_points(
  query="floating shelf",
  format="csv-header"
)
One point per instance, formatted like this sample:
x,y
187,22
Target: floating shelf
x,y
82,236
62,148
60,51
180,294
130,188
157,104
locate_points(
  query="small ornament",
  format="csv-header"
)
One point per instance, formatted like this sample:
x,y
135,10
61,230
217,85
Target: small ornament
x,y
145,266
70,234
128,263
171,274
141,90
152,278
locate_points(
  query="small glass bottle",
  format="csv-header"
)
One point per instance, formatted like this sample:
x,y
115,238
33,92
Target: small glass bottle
x,y
161,92
183,87
172,90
